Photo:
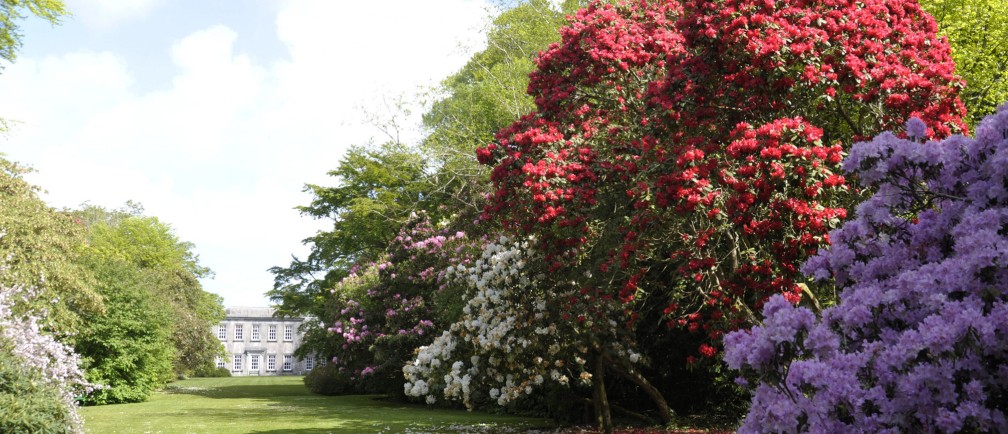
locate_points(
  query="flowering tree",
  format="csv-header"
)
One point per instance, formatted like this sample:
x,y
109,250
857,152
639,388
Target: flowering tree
x,y
687,150
513,337
46,363
919,340
385,309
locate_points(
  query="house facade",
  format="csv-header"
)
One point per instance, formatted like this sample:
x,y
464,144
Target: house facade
x,y
256,343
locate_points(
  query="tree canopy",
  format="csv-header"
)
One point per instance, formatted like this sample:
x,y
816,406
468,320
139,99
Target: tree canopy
x,y
164,281
45,248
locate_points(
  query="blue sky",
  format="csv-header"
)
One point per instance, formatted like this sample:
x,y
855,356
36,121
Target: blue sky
x,y
214,114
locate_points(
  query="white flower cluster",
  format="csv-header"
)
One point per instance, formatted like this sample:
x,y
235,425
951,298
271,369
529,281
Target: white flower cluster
x,y
58,363
507,342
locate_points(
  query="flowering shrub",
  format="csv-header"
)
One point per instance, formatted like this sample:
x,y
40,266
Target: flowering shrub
x,y
386,308
513,337
688,150
919,340
44,360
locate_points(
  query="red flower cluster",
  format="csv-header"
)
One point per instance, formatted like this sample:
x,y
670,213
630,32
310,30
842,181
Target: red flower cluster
x,y
686,150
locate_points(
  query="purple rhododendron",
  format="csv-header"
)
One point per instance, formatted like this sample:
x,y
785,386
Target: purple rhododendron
x,y
919,339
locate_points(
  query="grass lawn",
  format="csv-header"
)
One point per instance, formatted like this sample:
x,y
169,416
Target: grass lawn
x,y
282,405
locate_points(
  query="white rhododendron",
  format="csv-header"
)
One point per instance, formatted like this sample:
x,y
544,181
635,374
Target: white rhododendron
x,y
512,338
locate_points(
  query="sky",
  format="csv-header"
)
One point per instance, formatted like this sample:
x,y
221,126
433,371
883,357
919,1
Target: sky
x,y
214,114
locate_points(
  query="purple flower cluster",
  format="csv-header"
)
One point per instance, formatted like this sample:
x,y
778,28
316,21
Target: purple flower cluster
x,y
919,339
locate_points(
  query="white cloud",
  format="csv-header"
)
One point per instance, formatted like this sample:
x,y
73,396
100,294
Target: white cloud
x,y
223,151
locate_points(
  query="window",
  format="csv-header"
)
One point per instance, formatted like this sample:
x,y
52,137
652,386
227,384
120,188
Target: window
x,y
238,332
222,332
322,361
272,333
237,366
309,363
255,332
288,332
288,362
220,362
271,362
254,363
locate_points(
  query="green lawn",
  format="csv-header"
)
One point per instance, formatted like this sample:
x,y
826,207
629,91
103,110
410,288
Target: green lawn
x,y
282,405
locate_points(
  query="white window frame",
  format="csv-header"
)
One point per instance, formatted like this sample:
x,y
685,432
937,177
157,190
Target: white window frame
x,y
272,332
255,332
288,363
309,363
288,332
220,362
237,363
222,332
322,361
271,363
238,333
254,363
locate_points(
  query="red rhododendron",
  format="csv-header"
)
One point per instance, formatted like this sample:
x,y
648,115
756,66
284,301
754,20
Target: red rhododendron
x,y
687,152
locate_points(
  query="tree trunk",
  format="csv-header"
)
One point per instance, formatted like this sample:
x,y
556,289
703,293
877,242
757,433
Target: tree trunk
x,y
628,372
602,415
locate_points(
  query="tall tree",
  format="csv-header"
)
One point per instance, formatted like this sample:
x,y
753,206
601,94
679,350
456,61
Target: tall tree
x,y
376,190
170,272
128,349
45,248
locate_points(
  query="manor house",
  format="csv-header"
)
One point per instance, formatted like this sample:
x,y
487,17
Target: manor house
x,y
256,343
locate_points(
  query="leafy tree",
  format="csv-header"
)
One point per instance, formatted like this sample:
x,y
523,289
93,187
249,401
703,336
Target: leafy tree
x,y
128,235
487,94
376,191
978,33
44,248
170,276
128,349
682,155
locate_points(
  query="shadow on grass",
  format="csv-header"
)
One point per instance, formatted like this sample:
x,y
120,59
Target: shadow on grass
x,y
349,414
241,391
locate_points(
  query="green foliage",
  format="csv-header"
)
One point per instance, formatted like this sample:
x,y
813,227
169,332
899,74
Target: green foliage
x,y
377,189
328,380
128,235
12,11
129,347
27,403
45,251
211,371
978,33
170,271
486,95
